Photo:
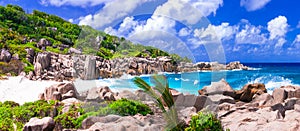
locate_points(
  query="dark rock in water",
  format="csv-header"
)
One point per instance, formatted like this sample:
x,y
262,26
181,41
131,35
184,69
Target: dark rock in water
x,y
248,91
44,124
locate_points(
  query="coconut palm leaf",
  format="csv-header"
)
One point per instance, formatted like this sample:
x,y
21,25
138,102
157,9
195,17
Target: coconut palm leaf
x,y
162,86
148,89
163,95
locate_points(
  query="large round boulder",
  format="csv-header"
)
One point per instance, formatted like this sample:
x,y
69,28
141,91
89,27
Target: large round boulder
x,y
248,91
44,124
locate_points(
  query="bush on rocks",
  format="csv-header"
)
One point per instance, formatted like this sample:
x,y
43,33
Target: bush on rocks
x,y
204,121
11,113
70,118
6,122
125,107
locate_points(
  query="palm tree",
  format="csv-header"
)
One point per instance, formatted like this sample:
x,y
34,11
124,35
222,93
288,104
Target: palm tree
x,y
162,97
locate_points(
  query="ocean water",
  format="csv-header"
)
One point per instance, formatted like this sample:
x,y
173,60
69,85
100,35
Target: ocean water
x,y
273,75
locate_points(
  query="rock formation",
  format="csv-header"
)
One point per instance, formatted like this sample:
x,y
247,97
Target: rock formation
x,y
254,108
5,55
65,67
35,124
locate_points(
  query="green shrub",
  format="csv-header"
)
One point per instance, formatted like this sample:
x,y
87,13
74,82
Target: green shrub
x,y
126,107
11,113
10,104
6,119
204,121
71,119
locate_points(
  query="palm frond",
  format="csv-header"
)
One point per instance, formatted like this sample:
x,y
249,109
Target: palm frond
x,y
148,89
162,86
163,95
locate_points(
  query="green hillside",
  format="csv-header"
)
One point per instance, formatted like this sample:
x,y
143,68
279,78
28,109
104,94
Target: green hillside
x,y
19,31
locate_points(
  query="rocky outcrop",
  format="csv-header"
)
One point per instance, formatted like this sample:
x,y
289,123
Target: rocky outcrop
x,y
59,92
257,110
218,66
52,66
30,54
236,65
220,87
100,94
44,124
5,55
74,51
90,71
43,43
248,91
127,123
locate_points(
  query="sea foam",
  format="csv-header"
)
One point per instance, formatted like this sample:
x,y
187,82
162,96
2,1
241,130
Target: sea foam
x,y
272,82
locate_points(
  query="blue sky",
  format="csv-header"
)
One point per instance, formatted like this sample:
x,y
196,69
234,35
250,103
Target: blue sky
x,y
204,30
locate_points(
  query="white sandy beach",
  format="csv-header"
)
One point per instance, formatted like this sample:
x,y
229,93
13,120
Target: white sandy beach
x,y
22,90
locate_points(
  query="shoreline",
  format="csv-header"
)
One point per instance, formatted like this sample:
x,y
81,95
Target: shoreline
x,y
21,90
233,108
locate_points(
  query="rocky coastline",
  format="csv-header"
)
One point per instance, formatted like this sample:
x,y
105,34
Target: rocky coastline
x,y
53,66
250,108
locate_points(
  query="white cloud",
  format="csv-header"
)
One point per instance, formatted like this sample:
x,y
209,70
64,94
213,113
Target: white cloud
x,y
110,12
250,34
158,23
297,39
71,20
252,5
124,29
152,29
81,3
188,11
280,43
295,46
278,27
184,32
212,35
215,33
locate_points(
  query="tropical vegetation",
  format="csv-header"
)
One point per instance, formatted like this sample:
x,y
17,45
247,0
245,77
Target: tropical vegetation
x,y
20,30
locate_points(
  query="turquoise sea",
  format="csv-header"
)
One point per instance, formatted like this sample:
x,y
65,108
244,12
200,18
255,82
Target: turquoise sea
x,y
273,75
